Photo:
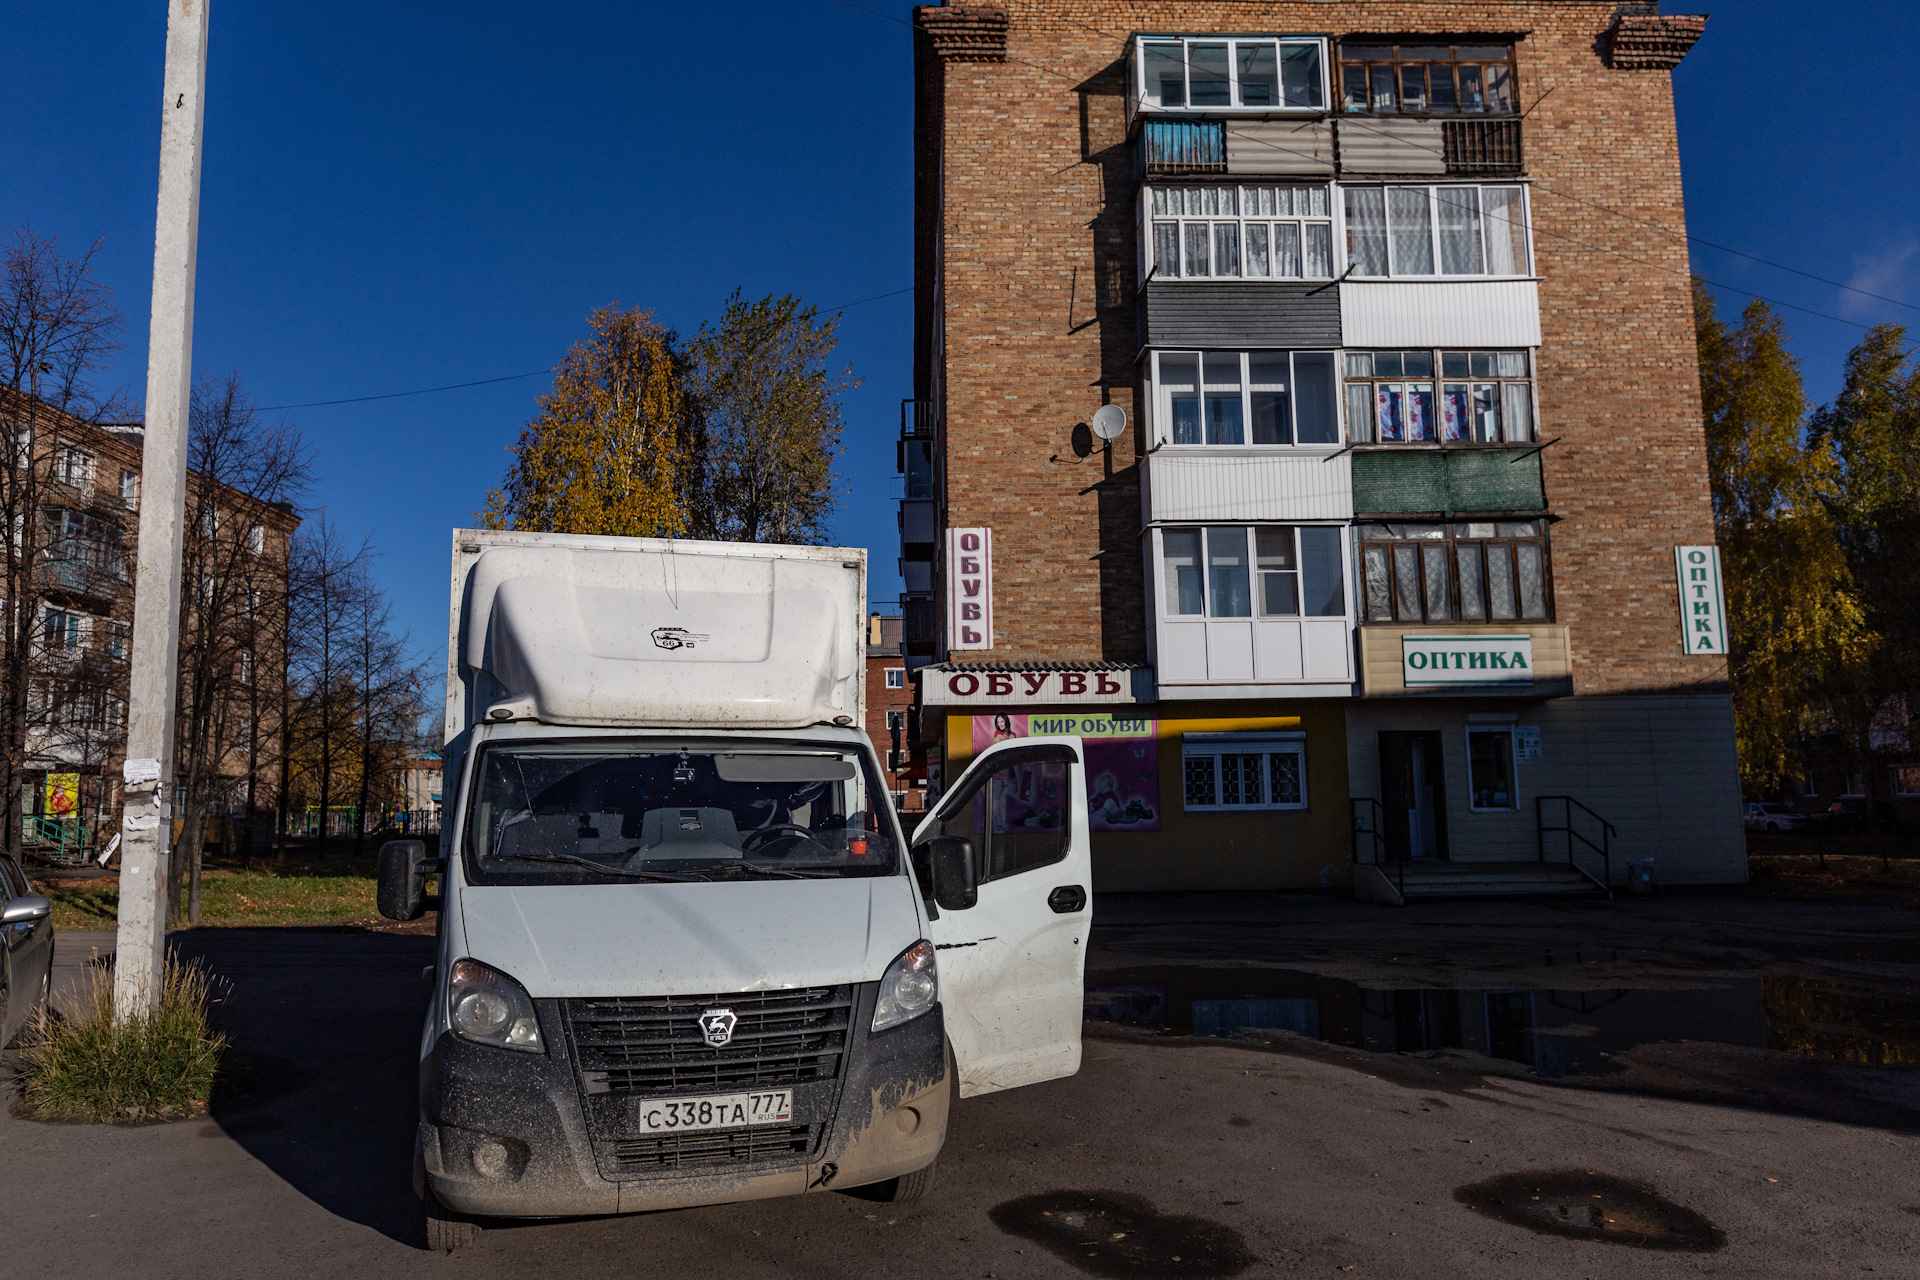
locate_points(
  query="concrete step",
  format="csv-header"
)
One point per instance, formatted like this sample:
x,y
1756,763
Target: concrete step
x,y
1410,882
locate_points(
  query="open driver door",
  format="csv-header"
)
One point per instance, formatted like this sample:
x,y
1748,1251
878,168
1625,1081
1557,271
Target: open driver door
x,y
1004,857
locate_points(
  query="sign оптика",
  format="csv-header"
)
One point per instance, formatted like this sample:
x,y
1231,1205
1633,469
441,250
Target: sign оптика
x,y
1427,661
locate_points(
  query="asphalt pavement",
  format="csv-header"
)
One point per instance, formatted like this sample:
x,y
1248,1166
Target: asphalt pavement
x,y
1164,1156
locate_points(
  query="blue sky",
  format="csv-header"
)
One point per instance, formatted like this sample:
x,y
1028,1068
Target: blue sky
x,y
416,194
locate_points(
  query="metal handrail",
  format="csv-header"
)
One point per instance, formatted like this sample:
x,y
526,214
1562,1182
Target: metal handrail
x,y
1605,848
67,836
1368,822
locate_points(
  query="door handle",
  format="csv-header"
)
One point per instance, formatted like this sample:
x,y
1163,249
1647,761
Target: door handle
x,y
1067,899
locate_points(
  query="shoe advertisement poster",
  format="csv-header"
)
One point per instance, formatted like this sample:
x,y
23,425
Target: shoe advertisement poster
x,y
1123,762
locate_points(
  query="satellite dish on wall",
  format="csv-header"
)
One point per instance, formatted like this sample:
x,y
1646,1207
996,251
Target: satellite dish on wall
x,y
1109,420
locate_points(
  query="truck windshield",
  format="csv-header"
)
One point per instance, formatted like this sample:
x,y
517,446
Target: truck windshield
x,y
561,814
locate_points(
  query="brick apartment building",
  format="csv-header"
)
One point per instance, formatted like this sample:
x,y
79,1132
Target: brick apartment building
x,y
889,705
79,637
1380,579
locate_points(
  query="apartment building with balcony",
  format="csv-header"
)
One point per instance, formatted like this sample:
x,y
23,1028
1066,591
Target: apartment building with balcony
x,y
1400,562
77,638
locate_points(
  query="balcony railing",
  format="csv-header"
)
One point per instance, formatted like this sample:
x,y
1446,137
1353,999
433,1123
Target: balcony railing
x,y
1482,146
1183,146
916,419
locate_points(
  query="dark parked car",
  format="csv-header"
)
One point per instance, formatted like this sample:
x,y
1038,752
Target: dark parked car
x,y
26,951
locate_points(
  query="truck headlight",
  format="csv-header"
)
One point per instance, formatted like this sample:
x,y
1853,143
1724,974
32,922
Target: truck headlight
x,y
908,989
487,1007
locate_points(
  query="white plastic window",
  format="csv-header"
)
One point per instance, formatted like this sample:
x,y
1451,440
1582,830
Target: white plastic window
x,y
1212,73
1266,232
1422,232
1245,397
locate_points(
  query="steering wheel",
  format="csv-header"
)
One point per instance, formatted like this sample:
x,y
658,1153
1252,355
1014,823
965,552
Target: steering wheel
x,y
760,835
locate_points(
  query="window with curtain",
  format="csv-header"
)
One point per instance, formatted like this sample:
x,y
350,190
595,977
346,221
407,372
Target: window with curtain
x,y
1268,232
1444,397
1245,398
1423,231
1463,571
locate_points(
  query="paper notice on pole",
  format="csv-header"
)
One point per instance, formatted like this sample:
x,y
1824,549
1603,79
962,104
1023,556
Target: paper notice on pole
x,y
134,772
140,822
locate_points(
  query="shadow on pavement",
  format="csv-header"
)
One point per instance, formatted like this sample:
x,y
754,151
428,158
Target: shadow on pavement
x,y
325,1025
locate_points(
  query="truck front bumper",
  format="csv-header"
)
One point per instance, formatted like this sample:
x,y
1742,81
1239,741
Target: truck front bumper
x,y
508,1134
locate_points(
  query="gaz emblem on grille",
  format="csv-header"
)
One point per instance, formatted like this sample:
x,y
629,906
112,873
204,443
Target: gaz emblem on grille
x,y
717,1026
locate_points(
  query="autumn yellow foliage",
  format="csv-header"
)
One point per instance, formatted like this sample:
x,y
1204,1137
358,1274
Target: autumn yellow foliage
x,y
605,453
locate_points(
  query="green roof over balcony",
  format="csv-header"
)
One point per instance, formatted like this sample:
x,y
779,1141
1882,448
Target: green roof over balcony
x,y
1405,481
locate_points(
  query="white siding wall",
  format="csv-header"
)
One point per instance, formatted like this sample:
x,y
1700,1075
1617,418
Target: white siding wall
x,y
1447,313
1661,768
1223,484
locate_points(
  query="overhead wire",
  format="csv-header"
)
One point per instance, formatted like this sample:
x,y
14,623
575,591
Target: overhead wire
x,y
515,377
1535,182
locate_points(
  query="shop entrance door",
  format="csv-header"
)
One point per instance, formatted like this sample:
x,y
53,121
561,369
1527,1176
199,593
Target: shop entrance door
x,y
1413,793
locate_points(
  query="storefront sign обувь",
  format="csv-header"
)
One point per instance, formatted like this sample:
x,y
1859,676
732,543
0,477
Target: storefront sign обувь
x,y
1026,688
1427,661
969,589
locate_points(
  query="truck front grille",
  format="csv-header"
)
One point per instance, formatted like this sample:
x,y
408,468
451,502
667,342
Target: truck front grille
x,y
654,1044
721,1146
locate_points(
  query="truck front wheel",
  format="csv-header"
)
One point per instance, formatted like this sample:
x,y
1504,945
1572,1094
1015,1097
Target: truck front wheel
x,y
448,1230
908,1187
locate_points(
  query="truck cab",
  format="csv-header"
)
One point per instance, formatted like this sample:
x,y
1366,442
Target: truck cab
x,y
686,953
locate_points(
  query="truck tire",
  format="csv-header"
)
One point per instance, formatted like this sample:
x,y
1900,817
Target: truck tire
x,y
908,1187
447,1230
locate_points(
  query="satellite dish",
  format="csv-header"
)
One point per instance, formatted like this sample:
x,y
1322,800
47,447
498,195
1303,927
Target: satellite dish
x,y
1109,420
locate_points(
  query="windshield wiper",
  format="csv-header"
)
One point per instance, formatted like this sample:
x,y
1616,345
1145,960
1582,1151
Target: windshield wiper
x,y
778,873
601,867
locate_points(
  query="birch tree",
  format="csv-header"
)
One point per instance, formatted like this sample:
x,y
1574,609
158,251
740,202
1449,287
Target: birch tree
x,y
605,454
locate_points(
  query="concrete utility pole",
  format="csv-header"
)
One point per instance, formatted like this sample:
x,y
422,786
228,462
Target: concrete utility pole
x,y
145,828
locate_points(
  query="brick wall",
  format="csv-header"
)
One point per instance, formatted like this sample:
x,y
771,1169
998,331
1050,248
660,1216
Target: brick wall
x,y
1026,177
881,700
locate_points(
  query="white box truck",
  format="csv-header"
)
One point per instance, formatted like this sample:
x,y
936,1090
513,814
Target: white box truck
x,y
685,955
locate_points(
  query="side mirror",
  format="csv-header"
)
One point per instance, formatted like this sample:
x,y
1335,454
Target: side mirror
x,y
402,888
26,909
951,860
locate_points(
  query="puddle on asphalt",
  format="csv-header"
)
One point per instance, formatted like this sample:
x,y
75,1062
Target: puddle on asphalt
x,y
1556,1033
1592,1206
1110,1233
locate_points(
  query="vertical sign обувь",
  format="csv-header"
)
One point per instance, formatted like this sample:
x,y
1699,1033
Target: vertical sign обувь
x,y
1703,602
969,589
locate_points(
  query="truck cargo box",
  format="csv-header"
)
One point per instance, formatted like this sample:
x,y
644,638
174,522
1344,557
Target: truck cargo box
x,y
574,629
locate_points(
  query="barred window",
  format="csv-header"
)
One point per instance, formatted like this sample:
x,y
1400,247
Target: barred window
x,y
1228,771
1468,571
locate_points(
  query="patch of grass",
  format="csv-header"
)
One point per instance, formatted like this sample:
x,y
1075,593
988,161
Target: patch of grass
x,y
229,899
161,1066
1838,877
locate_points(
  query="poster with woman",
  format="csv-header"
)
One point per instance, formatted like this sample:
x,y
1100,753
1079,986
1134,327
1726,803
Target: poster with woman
x,y
1122,759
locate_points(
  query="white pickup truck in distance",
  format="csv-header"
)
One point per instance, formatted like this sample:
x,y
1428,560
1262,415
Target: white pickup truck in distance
x,y
685,955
